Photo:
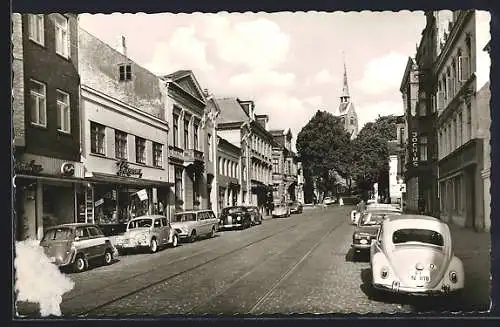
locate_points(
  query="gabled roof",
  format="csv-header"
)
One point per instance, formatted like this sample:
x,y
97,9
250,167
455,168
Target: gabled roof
x,y
186,80
230,111
409,67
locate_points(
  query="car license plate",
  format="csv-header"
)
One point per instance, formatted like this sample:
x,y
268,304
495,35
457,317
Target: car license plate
x,y
421,276
364,241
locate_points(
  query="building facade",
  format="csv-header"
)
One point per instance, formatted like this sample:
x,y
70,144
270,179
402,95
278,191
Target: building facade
x,y
124,137
228,173
238,124
46,110
462,106
285,180
189,148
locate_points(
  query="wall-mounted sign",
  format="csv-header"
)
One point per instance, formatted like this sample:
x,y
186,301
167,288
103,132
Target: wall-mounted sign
x,y
98,202
414,149
142,194
68,169
125,170
27,167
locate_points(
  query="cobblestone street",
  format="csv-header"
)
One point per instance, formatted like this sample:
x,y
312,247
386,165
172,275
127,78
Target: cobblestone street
x,y
301,264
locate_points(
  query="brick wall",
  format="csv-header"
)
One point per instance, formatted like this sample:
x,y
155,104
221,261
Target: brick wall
x,y
17,80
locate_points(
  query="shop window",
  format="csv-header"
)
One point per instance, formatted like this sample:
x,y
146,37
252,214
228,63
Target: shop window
x,y
97,135
36,28
157,154
121,145
125,72
38,106
176,130
62,35
140,150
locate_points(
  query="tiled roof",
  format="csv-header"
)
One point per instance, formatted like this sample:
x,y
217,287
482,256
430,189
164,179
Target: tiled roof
x,y
230,111
178,74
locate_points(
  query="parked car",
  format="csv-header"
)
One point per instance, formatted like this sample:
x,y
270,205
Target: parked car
x,y
355,215
255,215
328,201
76,245
235,217
147,232
191,224
413,254
367,228
281,210
296,207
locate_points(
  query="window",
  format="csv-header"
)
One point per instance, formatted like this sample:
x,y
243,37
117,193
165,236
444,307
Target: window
x,y
423,148
120,145
275,166
417,235
36,28
176,130
455,134
63,112
97,138
440,143
195,136
125,71
210,153
457,194
62,35
38,103
94,232
469,121
450,144
459,127
186,134
140,150
82,232
157,154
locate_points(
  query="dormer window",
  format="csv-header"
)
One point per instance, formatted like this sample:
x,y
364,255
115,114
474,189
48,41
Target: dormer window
x,y
125,72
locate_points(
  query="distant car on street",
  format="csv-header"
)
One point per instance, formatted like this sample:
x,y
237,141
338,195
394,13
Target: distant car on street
x,y
147,232
255,215
281,210
235,217
367,229
76,245
413,254
191,224
373,207
328,201
296,207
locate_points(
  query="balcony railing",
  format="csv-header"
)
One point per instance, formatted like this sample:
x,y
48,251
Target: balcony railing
x,y
176,153
193,155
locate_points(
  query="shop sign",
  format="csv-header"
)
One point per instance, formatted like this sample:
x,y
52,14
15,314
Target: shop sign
x,y
142,194
414,149
30,167
125,170
68,169
98,202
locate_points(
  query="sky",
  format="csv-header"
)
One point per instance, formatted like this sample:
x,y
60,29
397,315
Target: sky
x,y
290,64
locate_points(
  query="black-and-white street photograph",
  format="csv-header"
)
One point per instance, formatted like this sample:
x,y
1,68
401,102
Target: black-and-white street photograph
x,y
251,163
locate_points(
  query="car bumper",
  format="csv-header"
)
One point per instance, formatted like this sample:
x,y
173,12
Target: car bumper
x,y
229,226
361,246
63,262
439,290
131,244
279,215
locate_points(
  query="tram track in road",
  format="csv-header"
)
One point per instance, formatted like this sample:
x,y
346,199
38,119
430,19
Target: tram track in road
x,y
196,309
137,290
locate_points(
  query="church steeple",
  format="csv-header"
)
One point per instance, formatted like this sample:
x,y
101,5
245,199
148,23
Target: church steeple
x,y
344,98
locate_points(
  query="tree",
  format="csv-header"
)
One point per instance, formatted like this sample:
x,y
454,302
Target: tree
x,y
323,146
371,153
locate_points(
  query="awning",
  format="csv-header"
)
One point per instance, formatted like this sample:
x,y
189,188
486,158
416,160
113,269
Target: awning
x,y
51,178
114,179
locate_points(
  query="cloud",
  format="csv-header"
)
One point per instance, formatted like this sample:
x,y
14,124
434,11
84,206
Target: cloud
x,y
323,77
262,80
256,44
383,74
315,101
182,51
370,112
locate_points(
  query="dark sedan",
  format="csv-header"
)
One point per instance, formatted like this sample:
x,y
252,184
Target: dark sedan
x,y
296,207
367,229
255,215
235,217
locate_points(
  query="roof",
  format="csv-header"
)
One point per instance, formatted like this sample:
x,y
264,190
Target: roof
x,y
409,67
230,111
192,211
148,216
419,221
343,107
72,225
179,74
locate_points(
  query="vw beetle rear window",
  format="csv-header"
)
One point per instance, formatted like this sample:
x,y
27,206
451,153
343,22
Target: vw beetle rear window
x,y
425,236
57,234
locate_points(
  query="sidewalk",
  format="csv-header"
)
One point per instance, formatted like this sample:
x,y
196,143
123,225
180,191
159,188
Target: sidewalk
x,y
473,248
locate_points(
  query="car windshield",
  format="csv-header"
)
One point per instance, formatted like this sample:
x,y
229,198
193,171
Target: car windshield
x,y
417,235
138,223
182,217
58,234
372,219
234,210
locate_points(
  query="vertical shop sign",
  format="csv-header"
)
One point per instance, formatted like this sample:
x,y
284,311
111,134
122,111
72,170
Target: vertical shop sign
x,y
414,149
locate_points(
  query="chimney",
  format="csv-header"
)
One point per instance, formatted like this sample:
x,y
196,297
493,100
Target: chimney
x,y
124,46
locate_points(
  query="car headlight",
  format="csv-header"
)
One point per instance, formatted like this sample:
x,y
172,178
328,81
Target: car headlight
x,y
384,272
238,218
453,277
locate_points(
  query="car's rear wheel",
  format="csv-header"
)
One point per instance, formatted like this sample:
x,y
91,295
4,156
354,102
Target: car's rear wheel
x,y
175,241
108,257
212,233
80,263
153,246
